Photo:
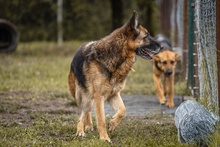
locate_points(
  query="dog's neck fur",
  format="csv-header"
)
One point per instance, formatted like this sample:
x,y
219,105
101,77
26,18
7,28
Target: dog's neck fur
x,y
115,59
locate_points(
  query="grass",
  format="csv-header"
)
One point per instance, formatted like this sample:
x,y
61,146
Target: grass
x,y
59,130
42,67
36,67
9,107
38,71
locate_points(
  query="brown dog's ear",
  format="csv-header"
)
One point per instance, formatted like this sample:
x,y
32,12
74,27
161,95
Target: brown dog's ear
x,y
176,56
156,58
133,22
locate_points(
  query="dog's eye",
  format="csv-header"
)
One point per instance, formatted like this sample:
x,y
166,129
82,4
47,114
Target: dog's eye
x,y
171,62
165,62
147,35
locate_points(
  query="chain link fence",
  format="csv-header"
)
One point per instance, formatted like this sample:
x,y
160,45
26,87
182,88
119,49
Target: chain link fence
x,y
205,22
201,66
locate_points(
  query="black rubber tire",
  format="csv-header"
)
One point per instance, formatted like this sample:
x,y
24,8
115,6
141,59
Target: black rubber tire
x,y
9,36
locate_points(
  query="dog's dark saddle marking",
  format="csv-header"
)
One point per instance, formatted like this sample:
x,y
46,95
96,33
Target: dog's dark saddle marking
x,y
77,63
164,41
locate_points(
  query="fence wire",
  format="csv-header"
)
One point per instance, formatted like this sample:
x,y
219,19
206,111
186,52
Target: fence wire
x,y
205,22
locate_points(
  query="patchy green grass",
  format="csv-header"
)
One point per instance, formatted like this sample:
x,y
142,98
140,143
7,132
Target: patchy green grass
x,y
215,138
58,129
42,67
9,107
36,67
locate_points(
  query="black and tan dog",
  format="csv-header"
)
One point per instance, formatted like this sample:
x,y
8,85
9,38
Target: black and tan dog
x,y
99,70
164,63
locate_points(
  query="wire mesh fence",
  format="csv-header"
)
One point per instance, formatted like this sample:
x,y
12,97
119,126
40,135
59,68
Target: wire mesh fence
x,y
202,77
205,22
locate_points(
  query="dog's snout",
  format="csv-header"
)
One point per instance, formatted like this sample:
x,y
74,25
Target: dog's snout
x,y
168,73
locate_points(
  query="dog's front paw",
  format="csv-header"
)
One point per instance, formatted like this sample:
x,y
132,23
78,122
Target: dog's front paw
x,y
113,124
162,101
81,134
170,105
88,128
105,138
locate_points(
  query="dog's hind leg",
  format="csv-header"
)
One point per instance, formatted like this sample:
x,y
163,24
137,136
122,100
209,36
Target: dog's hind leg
x,y
118,105
89,125
80,124
86,106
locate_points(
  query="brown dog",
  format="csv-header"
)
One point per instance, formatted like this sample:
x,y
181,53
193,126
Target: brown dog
x,y
164,63
99,70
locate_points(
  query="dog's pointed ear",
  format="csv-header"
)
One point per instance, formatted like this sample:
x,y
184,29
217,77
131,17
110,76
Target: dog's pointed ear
x,y
133,22
176,56
156,58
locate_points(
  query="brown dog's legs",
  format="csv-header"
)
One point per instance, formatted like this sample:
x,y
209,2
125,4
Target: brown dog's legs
x,y
164,85
159,90
80,125
86,106
89,125
170,102
118,105
100,115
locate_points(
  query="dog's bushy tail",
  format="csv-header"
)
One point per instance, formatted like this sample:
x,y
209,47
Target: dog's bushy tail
x,y
71,84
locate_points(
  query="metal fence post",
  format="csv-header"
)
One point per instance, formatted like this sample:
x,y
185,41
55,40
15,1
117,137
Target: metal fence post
x,y
218,46
191,53
185,20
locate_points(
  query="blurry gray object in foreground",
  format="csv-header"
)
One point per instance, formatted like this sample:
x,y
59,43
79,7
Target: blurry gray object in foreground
x,y
194,122
8,36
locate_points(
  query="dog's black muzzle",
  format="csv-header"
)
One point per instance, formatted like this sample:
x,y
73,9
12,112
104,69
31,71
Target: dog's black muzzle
x,y
149,50
168,73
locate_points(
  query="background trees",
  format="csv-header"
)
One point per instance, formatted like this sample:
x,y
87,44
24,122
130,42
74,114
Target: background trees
x,y
36,20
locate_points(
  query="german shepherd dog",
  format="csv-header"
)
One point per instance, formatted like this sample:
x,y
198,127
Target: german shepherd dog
x,y
164,63
99,70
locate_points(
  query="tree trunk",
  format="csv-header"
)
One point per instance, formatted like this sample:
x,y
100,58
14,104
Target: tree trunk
x,y
59,21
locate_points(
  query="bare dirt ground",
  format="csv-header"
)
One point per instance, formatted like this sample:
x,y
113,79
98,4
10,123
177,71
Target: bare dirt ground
x,y
19,109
